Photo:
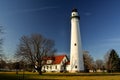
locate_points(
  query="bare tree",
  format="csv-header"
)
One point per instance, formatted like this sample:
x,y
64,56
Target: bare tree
x,y
106,58
2,63
99,64
88,61
1,38
34,47
2,56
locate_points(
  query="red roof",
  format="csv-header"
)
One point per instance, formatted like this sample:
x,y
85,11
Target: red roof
x,y
58,59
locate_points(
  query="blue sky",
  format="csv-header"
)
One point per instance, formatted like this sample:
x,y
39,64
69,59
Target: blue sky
x,y
99,23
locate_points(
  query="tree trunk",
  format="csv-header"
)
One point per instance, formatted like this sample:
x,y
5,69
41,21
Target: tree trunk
x,y
40,70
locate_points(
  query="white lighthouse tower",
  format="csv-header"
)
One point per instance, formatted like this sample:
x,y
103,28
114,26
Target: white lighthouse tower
x,y
76,53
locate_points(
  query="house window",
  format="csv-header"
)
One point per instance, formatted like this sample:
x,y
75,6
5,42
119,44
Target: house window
x,y
50,67
65,61
47,67
55,67
49,61
75,66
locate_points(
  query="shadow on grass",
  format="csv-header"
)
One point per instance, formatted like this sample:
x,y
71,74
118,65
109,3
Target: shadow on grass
x,y
84,74
7,77
11,76
51,76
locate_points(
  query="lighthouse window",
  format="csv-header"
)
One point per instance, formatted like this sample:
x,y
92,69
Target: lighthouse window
x,y
75,66
75,44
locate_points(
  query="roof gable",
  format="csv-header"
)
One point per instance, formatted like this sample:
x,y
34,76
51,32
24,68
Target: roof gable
x,y
58,59
55,59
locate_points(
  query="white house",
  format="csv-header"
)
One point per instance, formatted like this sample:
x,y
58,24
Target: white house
x,y
57,63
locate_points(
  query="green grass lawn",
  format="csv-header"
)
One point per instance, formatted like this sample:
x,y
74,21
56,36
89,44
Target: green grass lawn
x,y
62,76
